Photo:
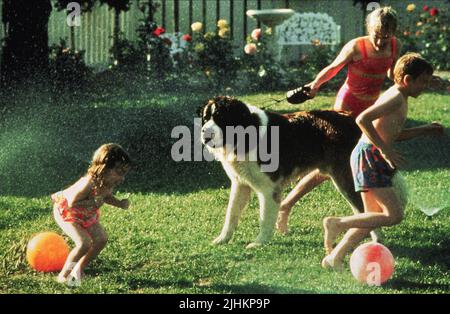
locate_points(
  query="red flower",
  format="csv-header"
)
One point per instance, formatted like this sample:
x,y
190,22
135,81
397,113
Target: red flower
x,y
158,31
434,12
187,37
425,8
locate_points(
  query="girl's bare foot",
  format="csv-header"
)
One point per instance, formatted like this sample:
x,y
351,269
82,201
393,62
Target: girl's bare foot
x,y
61,278
331,226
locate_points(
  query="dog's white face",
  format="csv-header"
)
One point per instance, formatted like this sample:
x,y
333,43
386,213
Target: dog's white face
x,y
211,135
220,115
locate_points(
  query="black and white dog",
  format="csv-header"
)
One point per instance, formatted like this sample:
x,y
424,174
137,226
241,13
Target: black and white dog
x,y
304,141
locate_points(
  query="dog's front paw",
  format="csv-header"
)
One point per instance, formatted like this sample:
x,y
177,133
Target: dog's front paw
x,y
221,240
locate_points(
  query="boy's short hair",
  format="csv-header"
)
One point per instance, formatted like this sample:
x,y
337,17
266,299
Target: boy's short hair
x,y
412,64
382,20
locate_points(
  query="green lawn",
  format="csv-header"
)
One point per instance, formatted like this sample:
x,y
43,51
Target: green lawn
x,y
162,244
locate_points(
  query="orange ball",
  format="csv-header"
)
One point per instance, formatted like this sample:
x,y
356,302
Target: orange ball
x,y
372,263
47,252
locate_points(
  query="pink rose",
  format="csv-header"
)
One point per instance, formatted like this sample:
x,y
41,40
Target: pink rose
x,y
434,12
250,49
425,8
187,37
256,34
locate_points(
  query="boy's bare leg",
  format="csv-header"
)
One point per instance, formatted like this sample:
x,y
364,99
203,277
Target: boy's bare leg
x,y
303,187
80,237
99,239
350,240
383,208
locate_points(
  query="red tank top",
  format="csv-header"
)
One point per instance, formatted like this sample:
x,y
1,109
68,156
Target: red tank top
x,y
360,77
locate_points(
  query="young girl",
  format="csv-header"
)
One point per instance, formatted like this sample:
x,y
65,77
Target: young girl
x,y
77,208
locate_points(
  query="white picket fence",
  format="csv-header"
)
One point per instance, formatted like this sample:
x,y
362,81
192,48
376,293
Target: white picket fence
x,y
94,33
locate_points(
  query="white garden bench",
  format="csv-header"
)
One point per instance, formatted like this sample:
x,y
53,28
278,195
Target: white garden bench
x,y
305,28
178,44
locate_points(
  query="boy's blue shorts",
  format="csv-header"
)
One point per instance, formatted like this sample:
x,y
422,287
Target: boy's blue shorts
x,y
370,170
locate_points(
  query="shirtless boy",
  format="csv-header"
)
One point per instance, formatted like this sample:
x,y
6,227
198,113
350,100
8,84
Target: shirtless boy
x,y
374,161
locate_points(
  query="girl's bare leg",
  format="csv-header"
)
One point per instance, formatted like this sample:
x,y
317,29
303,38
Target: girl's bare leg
x,y
99,239
303,187
80,237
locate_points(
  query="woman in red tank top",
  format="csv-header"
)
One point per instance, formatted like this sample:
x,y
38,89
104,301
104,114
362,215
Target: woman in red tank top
x,y
365,78
369,59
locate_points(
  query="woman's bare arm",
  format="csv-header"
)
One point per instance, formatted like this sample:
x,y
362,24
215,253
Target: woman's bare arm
x,y
344,57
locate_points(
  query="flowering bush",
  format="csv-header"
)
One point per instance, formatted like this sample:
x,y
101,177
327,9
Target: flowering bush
x,y
211,52
426,31
310,62
155,49
261,68
151,49
67,67
125,55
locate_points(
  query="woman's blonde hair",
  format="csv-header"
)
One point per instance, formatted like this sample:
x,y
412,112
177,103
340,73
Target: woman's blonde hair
x,y
382,20
107,156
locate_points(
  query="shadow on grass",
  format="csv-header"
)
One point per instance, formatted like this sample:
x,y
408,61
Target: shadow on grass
x,y
413,280
252,288
435,254
425,153
428,255
401,284
46,147
18,217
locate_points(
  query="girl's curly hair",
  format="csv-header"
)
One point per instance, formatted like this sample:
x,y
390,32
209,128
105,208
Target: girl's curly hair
x,y
107,156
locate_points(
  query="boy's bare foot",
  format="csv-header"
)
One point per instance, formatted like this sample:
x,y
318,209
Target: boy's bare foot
x,y
331,226
329,262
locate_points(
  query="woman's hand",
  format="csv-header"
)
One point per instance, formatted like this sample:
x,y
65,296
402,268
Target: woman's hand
x,y
314,88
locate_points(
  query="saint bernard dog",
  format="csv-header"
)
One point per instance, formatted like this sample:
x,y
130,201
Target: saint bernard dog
x,y
319,139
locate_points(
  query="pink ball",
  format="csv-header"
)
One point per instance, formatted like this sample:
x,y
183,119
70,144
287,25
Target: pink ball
x,y
372,263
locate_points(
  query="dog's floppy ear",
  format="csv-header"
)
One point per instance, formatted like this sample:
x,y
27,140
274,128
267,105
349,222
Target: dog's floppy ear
x,y
200,109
